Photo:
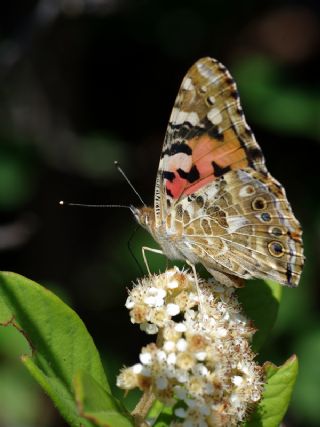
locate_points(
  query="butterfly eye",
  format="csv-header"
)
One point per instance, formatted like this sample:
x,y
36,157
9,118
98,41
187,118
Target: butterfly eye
x,y
259,203
276,249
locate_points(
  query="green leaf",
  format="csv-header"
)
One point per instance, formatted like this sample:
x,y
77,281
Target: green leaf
x,y
165,417
260,300
277,394
97,405
59,341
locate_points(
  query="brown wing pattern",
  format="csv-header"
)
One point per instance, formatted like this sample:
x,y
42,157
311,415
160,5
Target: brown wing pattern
x,y
242,225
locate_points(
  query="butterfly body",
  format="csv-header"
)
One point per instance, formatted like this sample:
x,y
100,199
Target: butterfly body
x,y
215,202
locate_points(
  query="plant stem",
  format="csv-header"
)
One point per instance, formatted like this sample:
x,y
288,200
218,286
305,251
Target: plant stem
x,y
143,406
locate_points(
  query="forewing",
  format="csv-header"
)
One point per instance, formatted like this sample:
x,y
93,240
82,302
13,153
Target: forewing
x,y
207,136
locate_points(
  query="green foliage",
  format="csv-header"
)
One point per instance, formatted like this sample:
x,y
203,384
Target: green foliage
x,y
261,299
281,107
17,178
277,394
306,395
60,343
97,405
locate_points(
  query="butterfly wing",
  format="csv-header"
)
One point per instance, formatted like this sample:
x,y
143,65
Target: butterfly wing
x,y
214,189
207,136
242,225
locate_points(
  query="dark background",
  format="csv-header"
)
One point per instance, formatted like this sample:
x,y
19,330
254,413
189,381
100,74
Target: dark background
x,y
87,82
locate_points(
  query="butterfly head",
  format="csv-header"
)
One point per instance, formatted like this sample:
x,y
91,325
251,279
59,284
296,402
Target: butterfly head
x,y
144,216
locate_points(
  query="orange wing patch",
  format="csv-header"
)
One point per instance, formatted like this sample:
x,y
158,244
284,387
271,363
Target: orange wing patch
x,y
209,159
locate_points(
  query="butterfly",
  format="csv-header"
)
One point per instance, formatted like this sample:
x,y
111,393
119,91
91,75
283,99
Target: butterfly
x,y
215,202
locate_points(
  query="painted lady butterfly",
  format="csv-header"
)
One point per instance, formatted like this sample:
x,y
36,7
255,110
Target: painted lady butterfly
x,y
215,202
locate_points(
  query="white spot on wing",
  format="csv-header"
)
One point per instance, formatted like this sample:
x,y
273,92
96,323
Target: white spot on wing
x,y
179,161
185,116
187,84
205,71
247,190
214,116
236,222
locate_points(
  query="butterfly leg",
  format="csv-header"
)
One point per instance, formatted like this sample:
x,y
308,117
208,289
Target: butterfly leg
x,y
156,251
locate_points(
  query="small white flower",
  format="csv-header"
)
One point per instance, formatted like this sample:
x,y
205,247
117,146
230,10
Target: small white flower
x,y
226,316
161,356
208,388
191,403
169,273
180,327
137,368
169,346
182,344
256,396
145,358
237,380
146,372
173,309
182,376
181,392
173,284
201,356
129,303
200,369
170,371
180,412
161,383
149,328
243,368
155,297
204,410
234,400
171,359
157,292
221,332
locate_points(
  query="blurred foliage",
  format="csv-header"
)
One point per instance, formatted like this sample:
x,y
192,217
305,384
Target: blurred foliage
x,y
87,82
21,401
282,106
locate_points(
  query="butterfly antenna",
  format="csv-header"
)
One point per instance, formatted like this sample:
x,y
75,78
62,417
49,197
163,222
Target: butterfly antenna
x,y
116,163
85,205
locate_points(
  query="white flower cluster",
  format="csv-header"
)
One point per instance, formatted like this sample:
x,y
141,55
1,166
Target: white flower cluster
x,y
202,362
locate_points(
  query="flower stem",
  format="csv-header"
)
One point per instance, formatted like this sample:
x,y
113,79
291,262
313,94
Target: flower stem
x,y
143,406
